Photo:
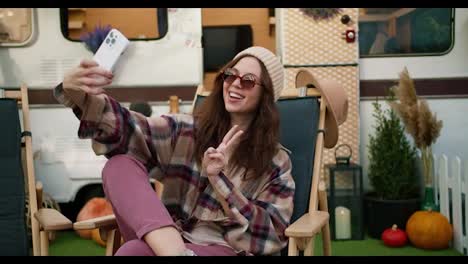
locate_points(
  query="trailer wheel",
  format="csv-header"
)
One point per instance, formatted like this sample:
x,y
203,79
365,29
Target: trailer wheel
x,y
86,194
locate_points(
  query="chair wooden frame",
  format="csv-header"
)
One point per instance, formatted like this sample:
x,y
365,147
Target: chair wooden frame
x,y
301,233
43,220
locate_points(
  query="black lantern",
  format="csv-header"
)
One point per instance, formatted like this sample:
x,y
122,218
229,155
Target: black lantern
x,y
345,200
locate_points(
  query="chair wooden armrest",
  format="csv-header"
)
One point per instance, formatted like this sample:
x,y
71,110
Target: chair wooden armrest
x,y
108,230
308,225
52,220
103,222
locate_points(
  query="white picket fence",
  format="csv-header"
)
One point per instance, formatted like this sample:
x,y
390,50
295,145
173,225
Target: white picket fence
x,y
451,193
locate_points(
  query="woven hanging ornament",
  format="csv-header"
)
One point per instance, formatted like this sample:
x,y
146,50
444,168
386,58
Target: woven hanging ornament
x,y
321,13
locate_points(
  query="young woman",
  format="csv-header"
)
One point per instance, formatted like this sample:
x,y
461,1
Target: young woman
x,y
228,188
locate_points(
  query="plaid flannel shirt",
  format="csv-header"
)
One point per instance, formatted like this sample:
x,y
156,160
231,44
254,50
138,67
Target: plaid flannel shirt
x,y
259,210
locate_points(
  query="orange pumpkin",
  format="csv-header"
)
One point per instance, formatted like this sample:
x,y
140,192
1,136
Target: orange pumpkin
x,y
429,230
95,207
96,236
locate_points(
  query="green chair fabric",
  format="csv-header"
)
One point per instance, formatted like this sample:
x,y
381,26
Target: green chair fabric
x,y
14,239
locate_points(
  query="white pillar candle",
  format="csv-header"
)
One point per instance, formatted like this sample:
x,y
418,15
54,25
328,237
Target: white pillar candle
x,y
342,223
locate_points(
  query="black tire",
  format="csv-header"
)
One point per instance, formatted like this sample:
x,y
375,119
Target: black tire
x,y
84,195
92,192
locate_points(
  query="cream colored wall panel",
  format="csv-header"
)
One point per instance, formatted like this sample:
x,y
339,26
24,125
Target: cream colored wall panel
x,y
315,45
307,41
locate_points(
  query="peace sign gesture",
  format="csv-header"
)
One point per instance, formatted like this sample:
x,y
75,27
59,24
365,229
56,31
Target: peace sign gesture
x,y
216,159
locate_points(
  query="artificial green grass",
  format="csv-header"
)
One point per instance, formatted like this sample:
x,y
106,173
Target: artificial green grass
x,y
70,244
375,247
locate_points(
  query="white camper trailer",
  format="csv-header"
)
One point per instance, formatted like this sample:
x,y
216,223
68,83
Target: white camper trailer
x,y
66,165
174,63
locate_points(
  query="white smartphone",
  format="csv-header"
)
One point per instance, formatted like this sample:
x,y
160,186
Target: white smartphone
x,y
110,50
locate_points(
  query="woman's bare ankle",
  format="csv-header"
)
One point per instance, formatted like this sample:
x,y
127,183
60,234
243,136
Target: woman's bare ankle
x,y
166,241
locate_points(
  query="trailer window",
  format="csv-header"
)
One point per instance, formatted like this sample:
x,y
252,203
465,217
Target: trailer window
x,y
16,26
134,23
405,31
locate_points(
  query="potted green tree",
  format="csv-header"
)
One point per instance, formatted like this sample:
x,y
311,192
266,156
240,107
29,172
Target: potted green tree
x,y
392,173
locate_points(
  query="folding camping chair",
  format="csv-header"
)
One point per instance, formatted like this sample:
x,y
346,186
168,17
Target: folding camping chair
x,y
14,238
302,120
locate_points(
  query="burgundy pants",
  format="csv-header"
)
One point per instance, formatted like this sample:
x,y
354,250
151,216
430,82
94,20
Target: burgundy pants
x,y
138,210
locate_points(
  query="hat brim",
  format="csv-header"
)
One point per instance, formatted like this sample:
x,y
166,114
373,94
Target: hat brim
x,y
305,78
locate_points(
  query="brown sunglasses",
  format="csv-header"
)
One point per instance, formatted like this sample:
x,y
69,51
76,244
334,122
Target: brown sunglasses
x,y
248,81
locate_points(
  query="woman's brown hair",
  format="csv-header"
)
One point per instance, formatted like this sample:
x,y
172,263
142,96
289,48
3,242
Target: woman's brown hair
x,y
258,145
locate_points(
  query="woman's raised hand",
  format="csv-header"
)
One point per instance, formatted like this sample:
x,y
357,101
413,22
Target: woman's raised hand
x,y
88,77
216,159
